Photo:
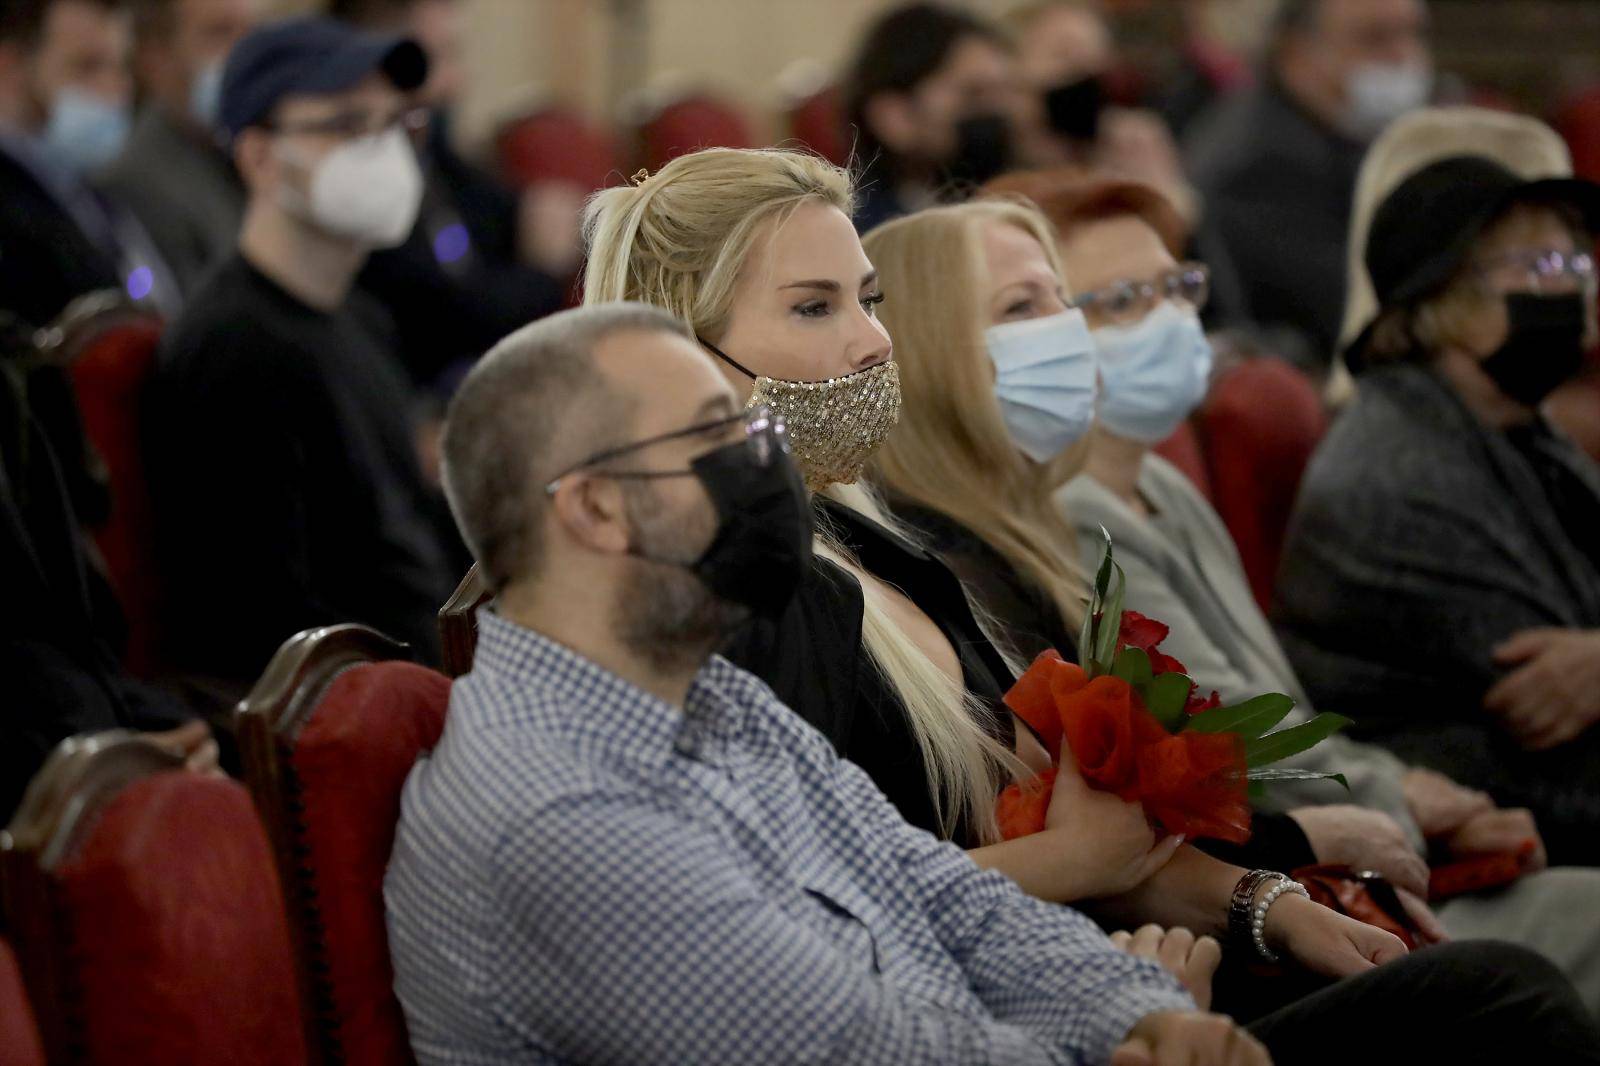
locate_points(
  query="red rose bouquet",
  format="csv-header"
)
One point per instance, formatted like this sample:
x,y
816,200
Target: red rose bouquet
x,y
1137,726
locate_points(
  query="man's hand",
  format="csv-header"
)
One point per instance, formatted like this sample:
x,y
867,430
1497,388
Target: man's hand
x,y
1366,840
193,742
1192,961
1496,832
1553,694
1326,942
1189,1038
1439,805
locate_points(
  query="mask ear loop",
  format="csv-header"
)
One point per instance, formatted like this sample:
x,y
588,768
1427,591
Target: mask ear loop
x,y
720,354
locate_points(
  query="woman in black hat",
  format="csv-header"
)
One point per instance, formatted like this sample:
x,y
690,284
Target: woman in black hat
x,y
1441,579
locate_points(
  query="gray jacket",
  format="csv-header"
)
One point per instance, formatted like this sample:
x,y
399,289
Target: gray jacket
x,y
1422,539
1183,569
184,191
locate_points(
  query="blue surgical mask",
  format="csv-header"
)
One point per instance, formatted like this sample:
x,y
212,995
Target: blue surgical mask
x,y
1152,373
205,94
1044,380
85,131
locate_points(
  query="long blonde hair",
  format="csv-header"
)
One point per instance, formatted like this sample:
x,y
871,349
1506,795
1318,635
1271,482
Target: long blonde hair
x,y
951,452
679,239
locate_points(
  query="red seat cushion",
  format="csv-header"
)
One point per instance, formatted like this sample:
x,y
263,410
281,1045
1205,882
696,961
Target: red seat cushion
x,y
108,378
1260,424
691,123
19,1033
351,759
179,940
818,123
556,144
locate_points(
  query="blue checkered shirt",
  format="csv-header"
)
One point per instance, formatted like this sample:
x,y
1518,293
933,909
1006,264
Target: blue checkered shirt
x,y
585,873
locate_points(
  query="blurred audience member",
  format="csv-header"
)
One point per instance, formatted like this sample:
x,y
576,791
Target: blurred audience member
x,y
930,99
281,449
173,174
1441,576
1221,40
1065,114
480,263
64,92
1276,167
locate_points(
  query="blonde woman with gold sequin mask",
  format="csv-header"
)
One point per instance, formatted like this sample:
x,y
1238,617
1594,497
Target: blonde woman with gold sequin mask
x,y
879,649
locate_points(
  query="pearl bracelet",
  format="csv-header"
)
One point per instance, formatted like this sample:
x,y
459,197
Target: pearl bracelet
x,y
1258,920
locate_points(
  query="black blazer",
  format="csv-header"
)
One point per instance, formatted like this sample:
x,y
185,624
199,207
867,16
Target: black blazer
x,y
45,259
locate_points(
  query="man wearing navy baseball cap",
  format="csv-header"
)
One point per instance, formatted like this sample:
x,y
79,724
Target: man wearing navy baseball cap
x,y
281,445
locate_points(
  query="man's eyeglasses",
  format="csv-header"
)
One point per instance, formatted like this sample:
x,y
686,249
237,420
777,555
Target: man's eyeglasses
x,y
1544,270
357,122
1129,301
765,436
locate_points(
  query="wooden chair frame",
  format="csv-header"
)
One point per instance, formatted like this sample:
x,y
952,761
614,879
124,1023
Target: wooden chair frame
x,y
458,622
267,721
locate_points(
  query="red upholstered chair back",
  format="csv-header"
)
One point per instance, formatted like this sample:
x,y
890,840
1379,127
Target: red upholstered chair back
x,y
146,913
818,123
19,1033
689,123
458,622
1183,451
1578,121
109,346
328,736
1259,426
558,144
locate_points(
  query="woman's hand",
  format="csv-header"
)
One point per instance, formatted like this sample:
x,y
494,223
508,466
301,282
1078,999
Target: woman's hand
x,y
1326,942
1499,831
1192,961
1438,804
1109,838
1365,840
1189,1038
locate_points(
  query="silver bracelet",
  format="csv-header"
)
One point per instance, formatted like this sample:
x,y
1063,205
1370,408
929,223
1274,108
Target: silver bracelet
x,y
1258,920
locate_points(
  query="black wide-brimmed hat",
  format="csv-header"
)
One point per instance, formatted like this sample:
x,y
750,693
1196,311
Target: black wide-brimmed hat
x,y
1424,230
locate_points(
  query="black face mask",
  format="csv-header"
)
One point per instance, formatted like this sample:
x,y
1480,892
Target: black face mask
x,y
983,150
1544,348
762,548
1073,110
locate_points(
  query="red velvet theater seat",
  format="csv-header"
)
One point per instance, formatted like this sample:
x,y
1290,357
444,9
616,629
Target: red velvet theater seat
x,y
1259,426
817,121
19,1033
109,346
458,622
557,144
692,122
146,914
327,737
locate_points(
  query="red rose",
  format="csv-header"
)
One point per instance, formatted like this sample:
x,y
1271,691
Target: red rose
x,y
1021,807
1140,632
1197,705
1034,698
1194,784
1106,725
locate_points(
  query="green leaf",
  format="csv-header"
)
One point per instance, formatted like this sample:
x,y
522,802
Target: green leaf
x,y
1133,666
1290,774
1249,719
1287,742
1110,622
1257,791
1165,696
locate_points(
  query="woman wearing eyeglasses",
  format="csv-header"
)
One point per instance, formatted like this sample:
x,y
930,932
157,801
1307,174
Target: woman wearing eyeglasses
x,y
1442,571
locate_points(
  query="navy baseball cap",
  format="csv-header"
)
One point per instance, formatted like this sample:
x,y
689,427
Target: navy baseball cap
x,y
308,55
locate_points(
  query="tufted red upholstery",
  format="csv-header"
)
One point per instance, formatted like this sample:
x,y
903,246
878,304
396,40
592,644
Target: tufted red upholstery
x,y
558,144
1259,427
818,123
108,377
690,123
1183,451
179,947
19,1034
349,762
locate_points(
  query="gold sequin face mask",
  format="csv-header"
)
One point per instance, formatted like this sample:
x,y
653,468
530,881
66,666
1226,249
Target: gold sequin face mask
x,y
834,425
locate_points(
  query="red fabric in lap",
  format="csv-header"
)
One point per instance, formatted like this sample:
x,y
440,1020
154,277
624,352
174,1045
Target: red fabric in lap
x,y
1260,425
19,1033
351,759
179,941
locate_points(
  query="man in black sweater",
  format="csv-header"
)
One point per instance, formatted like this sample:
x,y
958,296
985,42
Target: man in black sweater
x,y
282,450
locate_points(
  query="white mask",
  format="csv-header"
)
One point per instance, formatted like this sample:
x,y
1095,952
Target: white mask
x,y
368,189
205,94
86,131
1152,373
1376,94
1044,381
